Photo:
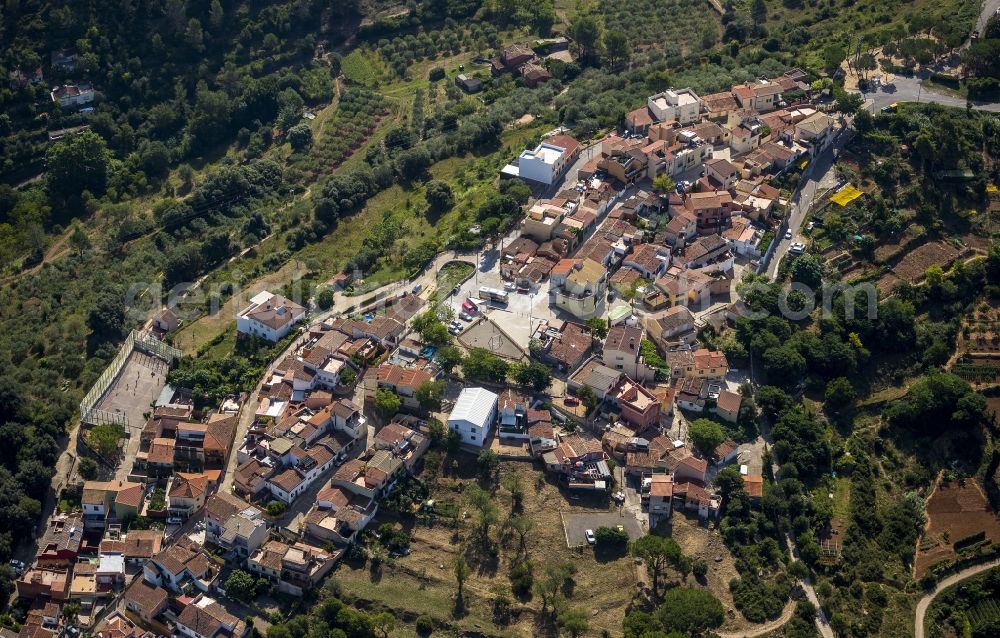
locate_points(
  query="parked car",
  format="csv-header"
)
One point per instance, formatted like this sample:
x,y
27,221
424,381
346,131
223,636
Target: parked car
x,y
418,288
17,565
571,401
456,290
509,286
590,536
788,234
175,520
464,316
797,248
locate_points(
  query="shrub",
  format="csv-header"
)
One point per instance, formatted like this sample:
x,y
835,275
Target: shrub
x,y
610,537
87,468
275,508
521,579
424,625
437,73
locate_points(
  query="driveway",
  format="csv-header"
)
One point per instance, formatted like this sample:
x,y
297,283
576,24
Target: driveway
x,y
576,525
908,89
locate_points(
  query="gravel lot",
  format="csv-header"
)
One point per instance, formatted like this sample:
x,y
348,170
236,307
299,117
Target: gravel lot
x,y
576,525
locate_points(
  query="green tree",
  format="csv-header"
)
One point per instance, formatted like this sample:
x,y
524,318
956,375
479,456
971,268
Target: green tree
x,y
573,621
482,365
586,31
598,327
616,47
105,439
706,435
387,403
275,508
430,395
511,482
692,611
462,572
77,164
384,623
656,552
610,537
215,14
324,300
848,103
588,398
758,12
87,468
808,270
664,184
839,394
535,375
728,481
448,357
241,585
522,526
488,462
300,137
439,196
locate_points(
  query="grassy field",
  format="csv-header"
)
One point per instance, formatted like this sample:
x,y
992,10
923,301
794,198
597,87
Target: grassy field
x,y
361,67
451,274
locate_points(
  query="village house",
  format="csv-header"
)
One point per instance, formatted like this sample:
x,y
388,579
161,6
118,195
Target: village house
x,y
661,496
727,406
405,443
760,97
292,568
474,415
269,316
145,599
726,452
186,492
547,162
623,351
106,502
179,564
61,542
583,292
743,238
706,250
682,106
709,364
636,404
649,260
596,376
566,348
692,394
403,382
670,327
206,618
468,83
73,95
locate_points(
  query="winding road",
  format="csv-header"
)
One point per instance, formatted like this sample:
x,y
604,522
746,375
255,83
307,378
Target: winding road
x,y
954,579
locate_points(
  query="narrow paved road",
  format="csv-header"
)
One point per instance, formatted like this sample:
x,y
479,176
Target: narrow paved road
x,y
802,199
925,602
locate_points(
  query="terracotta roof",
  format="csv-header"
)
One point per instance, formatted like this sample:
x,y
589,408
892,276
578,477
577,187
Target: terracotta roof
x,y
406,377
541,430
130,494
754,486
623,338
705,359
392,433
573,343
728,401
161,451
564,141
142,543
145,595
694,463
640,117
334,494
724,449
205,621
662,485
288,479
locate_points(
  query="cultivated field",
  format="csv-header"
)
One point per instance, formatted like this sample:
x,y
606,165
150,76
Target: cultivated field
x,y
913,266
956,511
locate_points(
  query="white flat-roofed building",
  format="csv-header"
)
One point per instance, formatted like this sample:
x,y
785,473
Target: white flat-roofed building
x,y
547,162
474,415
682,105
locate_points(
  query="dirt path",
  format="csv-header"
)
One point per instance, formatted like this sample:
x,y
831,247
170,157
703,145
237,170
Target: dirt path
x,y
954,579
766,628
55,251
